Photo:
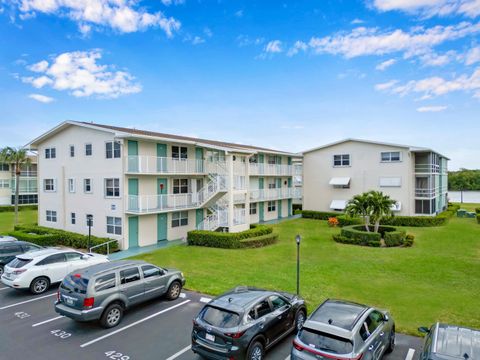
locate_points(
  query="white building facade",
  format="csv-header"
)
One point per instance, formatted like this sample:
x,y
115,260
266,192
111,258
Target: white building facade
x,y
415,177
27,191
143,187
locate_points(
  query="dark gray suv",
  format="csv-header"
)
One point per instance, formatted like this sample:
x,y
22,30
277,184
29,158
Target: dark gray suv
x,y
450,342
245,322
104,291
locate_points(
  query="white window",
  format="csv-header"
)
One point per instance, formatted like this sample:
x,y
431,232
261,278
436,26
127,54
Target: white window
x,y
272,206
71,185
341,160
112,187
239,182
88,150
114,225
50,153
179,218
4,167
4,184
72,151
112,149
180,186
272,184
253,208
73,218
87,186
51,216
49,185
273,159
391,156
179,152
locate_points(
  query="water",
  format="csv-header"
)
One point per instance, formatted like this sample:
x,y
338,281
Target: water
x,y
468,196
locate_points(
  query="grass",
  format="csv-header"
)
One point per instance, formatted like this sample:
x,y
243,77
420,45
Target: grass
x,y
438,279
24,217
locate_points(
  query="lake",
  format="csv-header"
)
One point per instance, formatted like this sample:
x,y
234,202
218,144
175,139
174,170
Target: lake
x,y
468,196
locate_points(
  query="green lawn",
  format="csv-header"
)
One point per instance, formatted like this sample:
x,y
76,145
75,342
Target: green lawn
x,y
437,279
24,217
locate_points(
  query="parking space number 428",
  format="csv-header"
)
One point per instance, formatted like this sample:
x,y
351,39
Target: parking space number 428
x,y
116,355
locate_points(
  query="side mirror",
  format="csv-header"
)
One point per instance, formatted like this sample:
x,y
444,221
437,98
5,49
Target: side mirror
x,y
85,257
386,318
424,330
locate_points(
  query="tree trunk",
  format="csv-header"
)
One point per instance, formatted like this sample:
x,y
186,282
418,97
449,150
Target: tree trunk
x,y
367,223
377,225
17,190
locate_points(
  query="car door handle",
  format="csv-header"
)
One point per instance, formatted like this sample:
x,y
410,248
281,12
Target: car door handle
x,y
370,348
381,334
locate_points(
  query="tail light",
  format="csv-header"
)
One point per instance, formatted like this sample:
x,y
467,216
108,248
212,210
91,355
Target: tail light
x,y
88,302
300,347
236,335
18,271
58,295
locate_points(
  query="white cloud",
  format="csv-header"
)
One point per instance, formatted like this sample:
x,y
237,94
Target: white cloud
x,y
42,98
472,56
208,32
429,8
239,13
357,21
385,86
432,108
79,73
245,40
174,2
197,40
434,59
386,64
120,15
274,46
298,46
372,41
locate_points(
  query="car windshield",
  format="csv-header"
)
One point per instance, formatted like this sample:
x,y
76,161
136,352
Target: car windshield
x,y
75,283
220,318
18,263
326,342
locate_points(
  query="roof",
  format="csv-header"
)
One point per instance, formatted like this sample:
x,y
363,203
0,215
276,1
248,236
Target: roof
x,y
408,147
240,298
146,134
339,313
45,252
456,341
108,266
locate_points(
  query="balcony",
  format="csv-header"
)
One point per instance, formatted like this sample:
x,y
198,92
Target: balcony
x,y
271,169
427,169
274,194
150,204
425,193
164,165
239,216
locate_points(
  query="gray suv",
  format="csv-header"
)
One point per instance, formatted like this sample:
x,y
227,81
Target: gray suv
x,y
104,291
450,342
341,329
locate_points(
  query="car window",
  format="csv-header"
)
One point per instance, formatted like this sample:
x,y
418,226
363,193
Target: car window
x,y
252,315
220,317
30,247
129,275
17,263
105,282
73,256
52,259
370,324
149,271
262,308
277,302
10,249
75,283
324,341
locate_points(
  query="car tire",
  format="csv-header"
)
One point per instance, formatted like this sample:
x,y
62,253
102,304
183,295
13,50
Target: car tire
x,y
391,341
1,270
112,316
39,285
255,351
300,318
174,290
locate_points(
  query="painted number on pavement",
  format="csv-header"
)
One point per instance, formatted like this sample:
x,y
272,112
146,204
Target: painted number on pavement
x,y
116,355
22,315
61,334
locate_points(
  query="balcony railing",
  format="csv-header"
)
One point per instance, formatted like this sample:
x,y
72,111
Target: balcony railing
x,y
239,216
271,169
274,194
162,203
427,168
166,165
425,193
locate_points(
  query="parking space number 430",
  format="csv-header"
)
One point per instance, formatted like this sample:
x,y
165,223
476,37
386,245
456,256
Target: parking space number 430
x,y
116,355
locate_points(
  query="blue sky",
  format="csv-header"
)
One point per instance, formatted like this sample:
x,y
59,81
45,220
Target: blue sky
x,y
289,75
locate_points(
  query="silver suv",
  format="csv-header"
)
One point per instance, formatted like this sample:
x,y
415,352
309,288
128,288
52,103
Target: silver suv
x,y
104,291
345,330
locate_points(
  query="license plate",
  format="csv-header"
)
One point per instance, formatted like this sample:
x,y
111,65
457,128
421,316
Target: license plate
x,y
68,300
210,337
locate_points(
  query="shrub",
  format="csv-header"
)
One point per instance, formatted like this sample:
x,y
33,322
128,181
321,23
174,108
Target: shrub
x,y
478,218
395,238
332,221
296,208
319,215
226,240
259,241
409,240
345,220
11,208
359,237
422,221
477,210
55,237
354,241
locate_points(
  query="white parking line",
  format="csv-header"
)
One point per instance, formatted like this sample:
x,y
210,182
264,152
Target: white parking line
x,y
410,354
5,288
133,324
174,356
205,300
288,357
47,321
27,301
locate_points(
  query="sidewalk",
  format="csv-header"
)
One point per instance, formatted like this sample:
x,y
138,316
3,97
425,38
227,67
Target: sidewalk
x,y
123,254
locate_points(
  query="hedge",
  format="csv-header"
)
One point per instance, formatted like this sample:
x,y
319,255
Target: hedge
x,y
422,221
395,238
259,241
359,237
319,215
477,210
408,240
354,241
345,220
44,236
226,240
478,218
11,208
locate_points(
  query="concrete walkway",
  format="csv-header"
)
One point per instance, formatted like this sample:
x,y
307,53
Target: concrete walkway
x,y
123,254
276,221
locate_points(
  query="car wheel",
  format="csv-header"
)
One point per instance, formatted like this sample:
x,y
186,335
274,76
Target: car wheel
x,y
174,290
299,320
1,270
39,285
255,351
391,343
112,316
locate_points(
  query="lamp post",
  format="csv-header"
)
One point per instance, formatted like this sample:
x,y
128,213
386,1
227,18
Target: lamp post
x,y
89,224
298,238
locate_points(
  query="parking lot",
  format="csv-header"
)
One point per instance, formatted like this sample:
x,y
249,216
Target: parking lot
x,y
158,329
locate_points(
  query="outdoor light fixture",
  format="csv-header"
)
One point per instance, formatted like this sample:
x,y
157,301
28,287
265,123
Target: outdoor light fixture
x,y
298,238
89,224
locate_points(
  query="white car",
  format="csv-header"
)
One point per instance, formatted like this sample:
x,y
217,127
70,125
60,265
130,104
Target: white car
x,y
39,269
7,238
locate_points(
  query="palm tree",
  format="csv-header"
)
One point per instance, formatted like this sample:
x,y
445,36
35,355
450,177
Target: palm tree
x,y
381,206
16,157
359,205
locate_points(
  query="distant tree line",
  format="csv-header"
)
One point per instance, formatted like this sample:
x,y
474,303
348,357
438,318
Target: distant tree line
x,y
464,179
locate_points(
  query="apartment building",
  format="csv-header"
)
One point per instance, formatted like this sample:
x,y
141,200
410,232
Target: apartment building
x,y
415,177
142,187
28,193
